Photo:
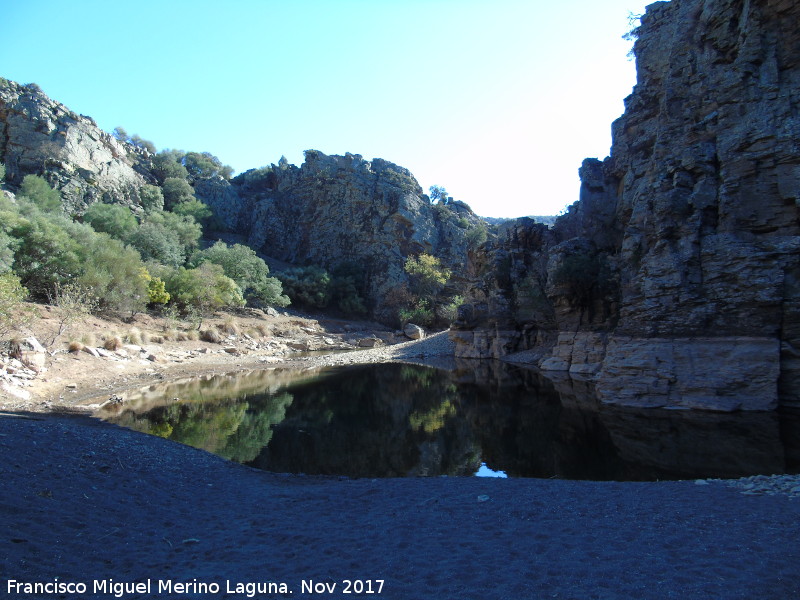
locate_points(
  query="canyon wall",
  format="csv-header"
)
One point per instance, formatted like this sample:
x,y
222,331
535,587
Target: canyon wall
x,y
675,279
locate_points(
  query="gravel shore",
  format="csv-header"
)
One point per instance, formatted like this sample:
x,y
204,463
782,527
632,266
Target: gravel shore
x,y
84,501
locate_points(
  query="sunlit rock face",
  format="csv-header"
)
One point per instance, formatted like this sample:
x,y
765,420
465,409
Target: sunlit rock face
x,y
675,279
39,136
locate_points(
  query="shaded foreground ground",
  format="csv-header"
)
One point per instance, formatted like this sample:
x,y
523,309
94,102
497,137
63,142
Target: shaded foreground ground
x,y
84,500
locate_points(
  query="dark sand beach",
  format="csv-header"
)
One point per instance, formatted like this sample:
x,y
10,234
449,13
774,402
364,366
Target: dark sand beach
x,y
85,501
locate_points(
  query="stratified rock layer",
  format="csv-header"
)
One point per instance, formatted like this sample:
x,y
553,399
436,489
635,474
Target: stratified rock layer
x,y
675,279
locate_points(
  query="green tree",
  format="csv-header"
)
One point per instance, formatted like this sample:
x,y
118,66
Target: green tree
x,y
248,270
176,191
113,273
2,171
204,165
193,208
151,198
37,190
185,228
439,195
48,253
476,236
428,276
205,288
120,134
168,163
8,245
156,242
114,219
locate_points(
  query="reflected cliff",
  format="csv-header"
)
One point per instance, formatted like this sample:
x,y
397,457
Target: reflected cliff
x,y
484,417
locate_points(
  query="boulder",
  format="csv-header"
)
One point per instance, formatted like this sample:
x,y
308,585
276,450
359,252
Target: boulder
x,y
414,332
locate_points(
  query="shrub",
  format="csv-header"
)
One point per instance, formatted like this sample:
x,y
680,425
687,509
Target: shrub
x,y
74,303
449,312
114,219
37,190
167,164
205,165
175,191
155,242
157,291
184,228
113,343
428,276
205,288
114,273
307,286
48,252
211,335
2,171
151,198
419,314
250,272
476,236
193,208
11,296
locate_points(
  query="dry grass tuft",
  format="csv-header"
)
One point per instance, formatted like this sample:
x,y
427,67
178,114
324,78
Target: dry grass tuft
x,y
229,326
211,335
75,346
113,343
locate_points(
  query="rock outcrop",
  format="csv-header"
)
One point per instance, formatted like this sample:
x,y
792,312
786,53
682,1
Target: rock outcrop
x,y
342,210
675,279
39,136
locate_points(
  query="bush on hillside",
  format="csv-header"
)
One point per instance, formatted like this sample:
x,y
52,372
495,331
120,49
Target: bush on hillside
x,y
250,272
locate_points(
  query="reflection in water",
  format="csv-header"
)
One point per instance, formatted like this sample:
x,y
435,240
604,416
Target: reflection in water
x,y
485,471
483,418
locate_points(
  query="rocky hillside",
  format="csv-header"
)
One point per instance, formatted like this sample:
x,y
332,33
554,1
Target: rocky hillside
x,y
43,137
675,279
331,212
343,210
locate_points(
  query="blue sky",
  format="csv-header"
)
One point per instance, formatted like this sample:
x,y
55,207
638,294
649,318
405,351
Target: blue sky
x,y
497,101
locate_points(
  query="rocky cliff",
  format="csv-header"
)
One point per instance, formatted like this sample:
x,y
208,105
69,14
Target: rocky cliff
x,y
343,210
330,212
675,279
43,137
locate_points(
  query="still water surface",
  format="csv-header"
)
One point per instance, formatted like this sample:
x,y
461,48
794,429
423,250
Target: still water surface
x,y
486,419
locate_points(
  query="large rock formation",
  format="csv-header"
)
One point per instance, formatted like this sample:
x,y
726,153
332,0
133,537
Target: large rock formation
x,y
675,279
43,137
333,211
339,210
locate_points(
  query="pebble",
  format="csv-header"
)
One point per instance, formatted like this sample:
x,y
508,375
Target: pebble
x,y
769,485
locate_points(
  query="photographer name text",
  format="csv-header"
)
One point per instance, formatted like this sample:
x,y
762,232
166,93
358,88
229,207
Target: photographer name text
x,y
167,587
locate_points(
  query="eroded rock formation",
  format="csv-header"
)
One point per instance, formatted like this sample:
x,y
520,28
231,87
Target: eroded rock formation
x,y
43,137
340,210
675,278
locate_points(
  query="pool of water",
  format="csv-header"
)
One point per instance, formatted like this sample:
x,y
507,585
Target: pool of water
x,y
483,418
